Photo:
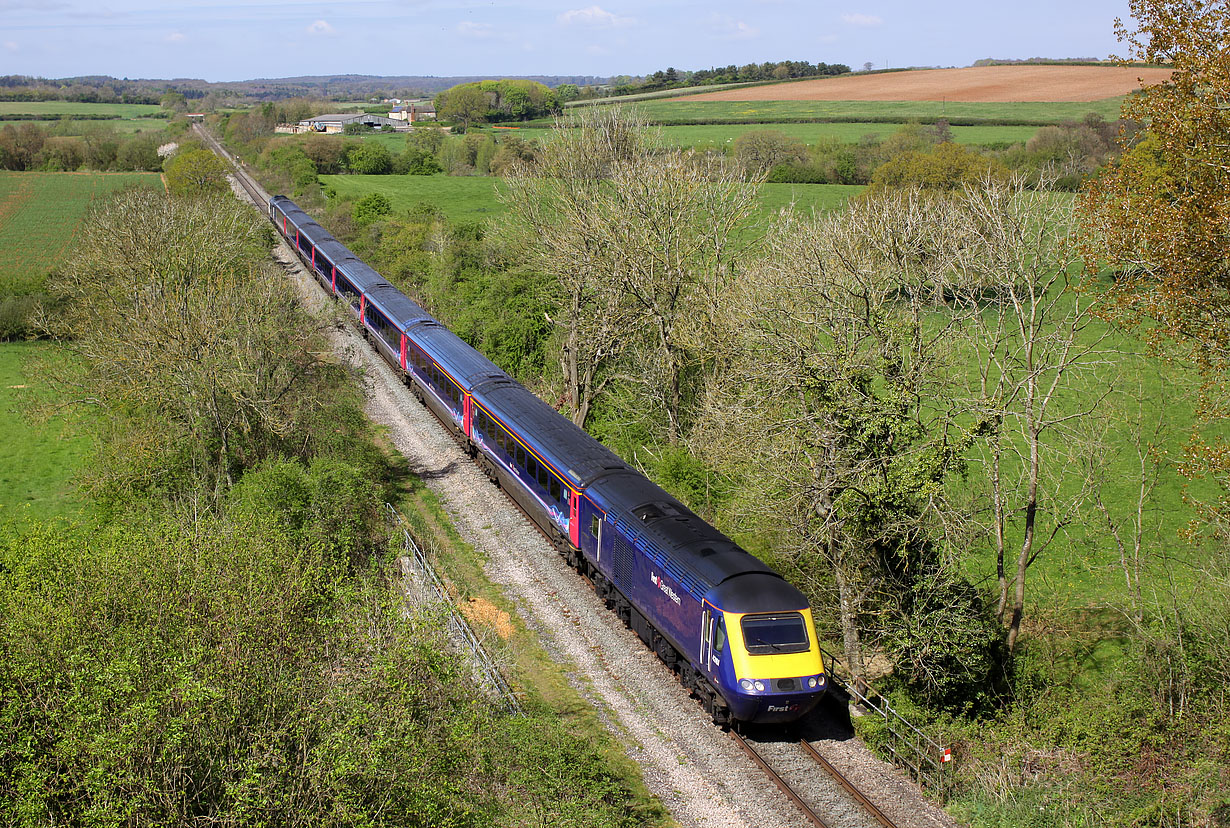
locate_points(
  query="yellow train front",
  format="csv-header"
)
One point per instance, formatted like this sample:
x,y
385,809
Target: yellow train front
x,y
759,649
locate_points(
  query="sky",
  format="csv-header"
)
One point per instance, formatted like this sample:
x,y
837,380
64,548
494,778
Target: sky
x,y
220,41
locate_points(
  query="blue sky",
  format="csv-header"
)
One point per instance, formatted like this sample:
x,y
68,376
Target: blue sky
x,y
279,38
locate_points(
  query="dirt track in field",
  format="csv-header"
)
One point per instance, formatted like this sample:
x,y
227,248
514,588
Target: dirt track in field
x,y
1006,84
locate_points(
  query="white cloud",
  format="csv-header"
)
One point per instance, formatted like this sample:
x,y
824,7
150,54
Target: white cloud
x,y
732,29
862,19
11,45
175,37
468,28
321,27
594,17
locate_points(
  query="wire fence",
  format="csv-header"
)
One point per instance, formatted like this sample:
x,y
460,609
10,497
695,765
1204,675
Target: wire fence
x,y
419,571
915,751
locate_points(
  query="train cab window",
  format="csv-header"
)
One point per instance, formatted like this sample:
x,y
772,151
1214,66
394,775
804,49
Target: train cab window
x,y
593,525
776,633
719,637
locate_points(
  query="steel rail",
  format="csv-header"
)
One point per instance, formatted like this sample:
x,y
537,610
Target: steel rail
x,y
858,795
777,780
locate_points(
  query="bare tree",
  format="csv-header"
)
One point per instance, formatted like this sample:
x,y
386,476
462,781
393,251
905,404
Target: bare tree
x,y
638,236
1033,332
670,232
552,202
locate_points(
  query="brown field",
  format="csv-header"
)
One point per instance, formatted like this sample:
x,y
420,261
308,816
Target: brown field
x,y
1007,84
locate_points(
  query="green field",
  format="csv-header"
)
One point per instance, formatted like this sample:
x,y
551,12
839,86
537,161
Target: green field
x,y
77,126
684,111
38,460
462,198
39,214
473,198
74,108
705,135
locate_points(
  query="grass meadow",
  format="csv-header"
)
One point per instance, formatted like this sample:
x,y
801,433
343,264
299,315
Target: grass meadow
x,y
39,214
39,458
78,126
76,108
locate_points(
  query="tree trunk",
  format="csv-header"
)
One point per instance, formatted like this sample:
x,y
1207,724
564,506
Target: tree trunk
x,y
850,640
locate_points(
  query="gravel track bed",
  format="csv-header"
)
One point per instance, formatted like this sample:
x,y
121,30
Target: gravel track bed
x,y
694,768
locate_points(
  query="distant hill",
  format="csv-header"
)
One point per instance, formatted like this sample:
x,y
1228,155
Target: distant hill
x,y
103,89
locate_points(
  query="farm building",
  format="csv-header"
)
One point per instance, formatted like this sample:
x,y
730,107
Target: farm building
x,y
339,122
410,113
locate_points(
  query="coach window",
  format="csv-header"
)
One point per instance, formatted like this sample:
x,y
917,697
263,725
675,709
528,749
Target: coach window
x,y
520,455
554,488
544,476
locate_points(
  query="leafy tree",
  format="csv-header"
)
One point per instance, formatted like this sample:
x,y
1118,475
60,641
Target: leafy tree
x,y
551,204
1159,215
185,338
174,101
831,411
196,171
370,158
466,104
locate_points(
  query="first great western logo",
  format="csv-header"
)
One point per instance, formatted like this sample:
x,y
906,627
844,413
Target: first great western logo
x,y
665,587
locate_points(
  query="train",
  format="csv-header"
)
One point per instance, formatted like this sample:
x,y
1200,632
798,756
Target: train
x,y
739,636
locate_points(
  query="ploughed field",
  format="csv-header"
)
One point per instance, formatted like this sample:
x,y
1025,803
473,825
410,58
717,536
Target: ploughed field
x,y
979,83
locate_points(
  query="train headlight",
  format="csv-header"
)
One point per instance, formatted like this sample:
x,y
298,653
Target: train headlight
x,y
759,685
746,684
811,682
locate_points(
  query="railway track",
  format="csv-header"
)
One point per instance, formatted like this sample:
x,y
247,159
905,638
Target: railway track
x,y
827,800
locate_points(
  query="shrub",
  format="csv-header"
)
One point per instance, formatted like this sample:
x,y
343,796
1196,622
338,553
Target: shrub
x,y
947,167
370,158
371,207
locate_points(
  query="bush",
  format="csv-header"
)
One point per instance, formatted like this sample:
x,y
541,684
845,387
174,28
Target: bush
x,y
370,158
371,207
947,167
194,172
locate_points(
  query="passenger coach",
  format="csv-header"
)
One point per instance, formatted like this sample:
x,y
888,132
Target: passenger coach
x,y
740,637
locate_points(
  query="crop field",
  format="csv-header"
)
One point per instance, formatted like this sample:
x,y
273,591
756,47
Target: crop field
x,y
692,111
1037,83
473,198
39,214
75,108
38,459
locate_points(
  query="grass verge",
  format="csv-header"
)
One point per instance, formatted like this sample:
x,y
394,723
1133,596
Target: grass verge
x,y
543,680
